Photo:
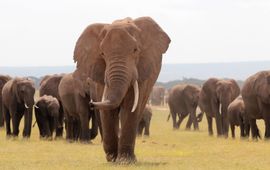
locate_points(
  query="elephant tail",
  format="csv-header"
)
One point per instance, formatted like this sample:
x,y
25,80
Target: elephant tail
x,y
34,124
168,117
200,117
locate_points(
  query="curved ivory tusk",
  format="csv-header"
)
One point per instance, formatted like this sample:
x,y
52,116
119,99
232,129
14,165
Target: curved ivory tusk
x,y
104,93
25,105
36,106
220,110
136,96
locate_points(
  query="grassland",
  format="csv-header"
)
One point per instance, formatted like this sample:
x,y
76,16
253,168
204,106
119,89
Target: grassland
x,y
164,149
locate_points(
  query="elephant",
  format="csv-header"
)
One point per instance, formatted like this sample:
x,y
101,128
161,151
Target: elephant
x,y
237,117
256,96
157,96
124,59
18,101
47,113
3,80
183,100
75,97
49,86
144,123
215,97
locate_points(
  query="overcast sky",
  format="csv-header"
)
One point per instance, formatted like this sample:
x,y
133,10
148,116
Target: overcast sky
x,y
43,33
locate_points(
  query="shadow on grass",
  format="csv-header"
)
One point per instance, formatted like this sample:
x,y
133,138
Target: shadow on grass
x,y
137,164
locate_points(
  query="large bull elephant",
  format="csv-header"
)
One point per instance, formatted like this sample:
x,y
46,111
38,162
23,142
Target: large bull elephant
x,y
47,114
49,86
3,81
256,96
157,95
75,97
124,58
183,100
18,101
215,97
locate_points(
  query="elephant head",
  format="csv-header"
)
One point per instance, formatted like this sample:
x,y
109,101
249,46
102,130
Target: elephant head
x,y
24,91
226,91
120,56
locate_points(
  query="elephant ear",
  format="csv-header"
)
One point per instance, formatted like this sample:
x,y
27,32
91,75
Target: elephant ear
x,y
14,89
87,54
153,43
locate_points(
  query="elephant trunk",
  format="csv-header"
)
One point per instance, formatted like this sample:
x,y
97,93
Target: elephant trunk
x,y
119,79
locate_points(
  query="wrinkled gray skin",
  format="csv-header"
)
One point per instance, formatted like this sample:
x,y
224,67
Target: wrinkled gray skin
x,y
237,117
47,113
3,81
75,97
256,96
183,101
144,123
215,97
49,86
18,101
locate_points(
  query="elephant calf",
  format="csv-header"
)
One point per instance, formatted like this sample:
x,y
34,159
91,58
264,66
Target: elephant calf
x,y
237,117
144,123
183,101
47,113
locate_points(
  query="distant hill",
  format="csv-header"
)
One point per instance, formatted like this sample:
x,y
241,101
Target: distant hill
x,y
170,73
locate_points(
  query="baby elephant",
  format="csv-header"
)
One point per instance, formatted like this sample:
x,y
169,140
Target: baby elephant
x,y
237,117
47,113
144,123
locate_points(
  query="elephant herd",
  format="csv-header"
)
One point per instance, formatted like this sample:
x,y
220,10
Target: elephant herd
x,y
223,100
117,65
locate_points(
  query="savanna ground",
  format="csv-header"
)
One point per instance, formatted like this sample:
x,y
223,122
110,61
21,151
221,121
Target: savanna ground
x,y
164,149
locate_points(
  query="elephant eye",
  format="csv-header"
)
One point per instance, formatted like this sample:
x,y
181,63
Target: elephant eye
x,y
102,54
135,50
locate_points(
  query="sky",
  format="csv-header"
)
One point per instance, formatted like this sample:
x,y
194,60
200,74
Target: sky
x,y
44,33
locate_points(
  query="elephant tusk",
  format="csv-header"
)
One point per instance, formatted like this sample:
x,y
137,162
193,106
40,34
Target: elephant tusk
x,y
36,106
136,95
104,93
220,108
25,105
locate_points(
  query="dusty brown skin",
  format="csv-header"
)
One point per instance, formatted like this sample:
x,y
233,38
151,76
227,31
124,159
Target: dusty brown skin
x,y
3,80
157,96
47,113
18,101
183,101
215,97
75,97
256,96
144,123
49,86
237,117
118,56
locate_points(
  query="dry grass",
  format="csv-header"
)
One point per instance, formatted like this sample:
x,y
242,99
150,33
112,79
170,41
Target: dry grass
x,y
165,149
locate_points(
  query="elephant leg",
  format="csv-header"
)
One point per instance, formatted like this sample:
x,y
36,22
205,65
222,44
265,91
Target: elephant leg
x,y
146,128
127,136
218,123
174,120
77,131
247,129
69,132
140,128
189,122
85,136
254,129
97,114
48,133
59,130
15,123
7,119
110,127
266,117
242,130
1,115
181,118
93,132
225,124
210,125
51,126
27,123
194,119
233,130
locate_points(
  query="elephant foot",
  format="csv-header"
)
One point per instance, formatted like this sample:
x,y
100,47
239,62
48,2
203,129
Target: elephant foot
x,y
126,159
111,157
